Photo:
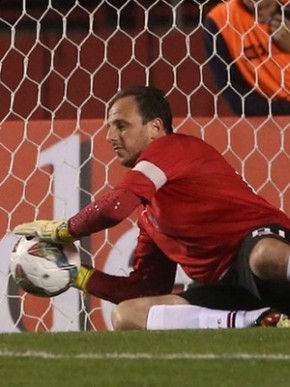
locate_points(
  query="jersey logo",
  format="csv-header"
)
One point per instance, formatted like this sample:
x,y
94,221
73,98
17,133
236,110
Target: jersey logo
x,y
267,231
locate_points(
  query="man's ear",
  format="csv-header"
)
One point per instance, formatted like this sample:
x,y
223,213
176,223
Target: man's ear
x,y
157,128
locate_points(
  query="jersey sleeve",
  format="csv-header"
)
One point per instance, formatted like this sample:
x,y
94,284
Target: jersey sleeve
x,y
153,274
103,213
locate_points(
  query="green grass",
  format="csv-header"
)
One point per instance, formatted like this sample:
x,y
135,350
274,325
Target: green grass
x,y
211,358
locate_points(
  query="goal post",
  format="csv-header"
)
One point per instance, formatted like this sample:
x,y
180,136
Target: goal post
x,y
61,62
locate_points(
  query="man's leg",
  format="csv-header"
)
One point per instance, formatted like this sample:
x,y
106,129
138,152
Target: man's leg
x,y
270,259
222,299
174,312
133,314
263,266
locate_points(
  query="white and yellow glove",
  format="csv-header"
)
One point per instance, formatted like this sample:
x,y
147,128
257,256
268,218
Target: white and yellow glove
x,y
55,231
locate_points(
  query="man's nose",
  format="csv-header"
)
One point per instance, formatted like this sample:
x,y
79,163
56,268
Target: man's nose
x,y
111,134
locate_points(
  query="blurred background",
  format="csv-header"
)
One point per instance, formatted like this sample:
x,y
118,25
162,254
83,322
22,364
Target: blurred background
x,y
67,58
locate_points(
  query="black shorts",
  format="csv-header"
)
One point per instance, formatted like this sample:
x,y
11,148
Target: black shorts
x,y
240,289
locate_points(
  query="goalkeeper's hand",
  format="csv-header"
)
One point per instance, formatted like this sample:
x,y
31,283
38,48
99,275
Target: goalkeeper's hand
x,y
48,230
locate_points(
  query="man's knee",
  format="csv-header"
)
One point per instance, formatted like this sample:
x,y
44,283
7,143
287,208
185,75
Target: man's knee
x,y
118,317
269,259
128,315
133,314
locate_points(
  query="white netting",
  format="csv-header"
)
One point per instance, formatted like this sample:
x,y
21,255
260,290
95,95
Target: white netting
x,y
61,63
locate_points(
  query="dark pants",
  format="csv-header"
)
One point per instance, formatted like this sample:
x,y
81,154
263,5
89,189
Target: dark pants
x,y
240,289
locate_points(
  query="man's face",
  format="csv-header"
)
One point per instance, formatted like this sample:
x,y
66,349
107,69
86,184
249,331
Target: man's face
x,y
264,9
126,131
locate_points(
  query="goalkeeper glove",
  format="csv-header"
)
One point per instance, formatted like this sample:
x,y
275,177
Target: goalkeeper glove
x,y
48,230
83,277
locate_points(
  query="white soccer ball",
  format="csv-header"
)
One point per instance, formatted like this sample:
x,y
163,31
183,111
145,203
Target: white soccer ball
x,y
43,268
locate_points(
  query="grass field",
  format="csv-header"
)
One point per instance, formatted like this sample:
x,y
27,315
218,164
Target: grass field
x,y
210,358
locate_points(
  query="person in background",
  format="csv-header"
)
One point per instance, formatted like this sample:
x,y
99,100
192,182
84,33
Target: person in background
x,y
193,210
248,47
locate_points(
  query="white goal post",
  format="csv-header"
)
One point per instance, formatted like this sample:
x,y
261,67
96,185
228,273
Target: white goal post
x,y
61,62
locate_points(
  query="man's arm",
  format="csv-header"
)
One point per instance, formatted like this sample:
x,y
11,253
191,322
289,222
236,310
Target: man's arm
x,y
153,274
103,213
280,31
147,280
98,215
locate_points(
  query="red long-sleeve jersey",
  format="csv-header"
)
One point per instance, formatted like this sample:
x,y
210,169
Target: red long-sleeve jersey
x,y
194,210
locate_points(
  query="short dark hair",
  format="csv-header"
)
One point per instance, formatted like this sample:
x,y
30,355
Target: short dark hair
x,y
151,102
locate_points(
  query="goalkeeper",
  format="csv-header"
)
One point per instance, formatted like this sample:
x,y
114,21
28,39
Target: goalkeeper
x,y
193,210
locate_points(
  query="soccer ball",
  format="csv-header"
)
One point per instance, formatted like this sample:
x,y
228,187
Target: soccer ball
x,y
42,268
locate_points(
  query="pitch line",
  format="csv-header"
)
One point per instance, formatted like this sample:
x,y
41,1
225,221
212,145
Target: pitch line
x,y
145,356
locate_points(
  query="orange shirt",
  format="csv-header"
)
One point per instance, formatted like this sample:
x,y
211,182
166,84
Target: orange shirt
x,y
264,65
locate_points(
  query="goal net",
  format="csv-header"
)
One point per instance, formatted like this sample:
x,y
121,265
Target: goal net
x,y
61,63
